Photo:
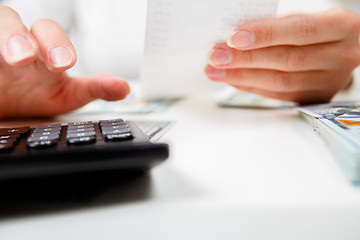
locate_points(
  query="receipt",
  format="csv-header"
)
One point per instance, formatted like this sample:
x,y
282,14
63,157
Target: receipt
x,y
179,35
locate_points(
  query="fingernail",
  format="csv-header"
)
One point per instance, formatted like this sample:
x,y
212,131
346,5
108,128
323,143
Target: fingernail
x,y
61,57
18,48
215,73
220,57
241,39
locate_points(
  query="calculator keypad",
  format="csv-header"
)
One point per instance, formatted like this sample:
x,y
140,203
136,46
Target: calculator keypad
x,y
113,130
9,137
81,133
75,133
44,136
14,131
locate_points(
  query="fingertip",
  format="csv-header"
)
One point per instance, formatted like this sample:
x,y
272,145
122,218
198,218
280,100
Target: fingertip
x,y
230,43
17,45
220,57
19,50
56,49
109,88
241,39
119,90
214,74
126,88
61,58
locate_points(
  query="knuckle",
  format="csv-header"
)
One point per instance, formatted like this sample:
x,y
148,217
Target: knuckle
x,y
341,12
345,54
267,33
239,76
306,25
247,58
295,58
352,24
349,20
349,59
283,81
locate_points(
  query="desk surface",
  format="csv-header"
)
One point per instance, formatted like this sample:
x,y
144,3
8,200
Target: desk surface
x,y
232,174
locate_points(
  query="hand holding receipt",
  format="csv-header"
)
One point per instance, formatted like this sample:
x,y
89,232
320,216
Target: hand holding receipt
x,y
304,58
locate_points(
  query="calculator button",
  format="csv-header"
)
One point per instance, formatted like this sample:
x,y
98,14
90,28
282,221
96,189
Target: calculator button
x,y
80,126
81,134
116,131
37,134
56,125
111,121
121,136
16,136
113,124
43,138
114,127
6,146
81,140
78,130
9,140
40,144
80,123
40,130
12,131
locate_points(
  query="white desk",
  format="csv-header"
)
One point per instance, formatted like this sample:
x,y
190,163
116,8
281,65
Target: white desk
x,y
232,174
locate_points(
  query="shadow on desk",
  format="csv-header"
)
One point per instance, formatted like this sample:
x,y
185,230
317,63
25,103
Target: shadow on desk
x,y
26,197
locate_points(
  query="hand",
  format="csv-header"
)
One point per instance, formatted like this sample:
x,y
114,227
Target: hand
x,y
33,81
306,58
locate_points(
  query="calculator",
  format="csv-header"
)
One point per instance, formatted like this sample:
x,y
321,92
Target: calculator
x,y
76,147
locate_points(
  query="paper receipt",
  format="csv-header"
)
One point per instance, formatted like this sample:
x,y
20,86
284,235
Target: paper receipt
x,y
179,35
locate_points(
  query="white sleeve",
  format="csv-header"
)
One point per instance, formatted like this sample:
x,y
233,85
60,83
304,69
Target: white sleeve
x,y
59,11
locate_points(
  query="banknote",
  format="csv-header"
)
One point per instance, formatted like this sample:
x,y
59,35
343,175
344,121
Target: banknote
x,y
338,124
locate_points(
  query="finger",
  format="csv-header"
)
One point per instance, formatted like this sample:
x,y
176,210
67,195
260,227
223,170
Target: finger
x,y
17,45
269,80
56,49
283,58
80,91
303,29
301,97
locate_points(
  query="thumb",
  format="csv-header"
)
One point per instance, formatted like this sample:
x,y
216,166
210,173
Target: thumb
x,y
104,86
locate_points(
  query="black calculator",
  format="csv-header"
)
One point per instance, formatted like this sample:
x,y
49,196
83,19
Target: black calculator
x,y
76,147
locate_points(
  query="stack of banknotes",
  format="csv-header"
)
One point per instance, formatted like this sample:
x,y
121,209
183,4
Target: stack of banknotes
x,y
339,125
